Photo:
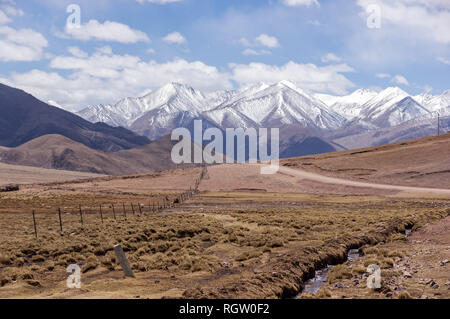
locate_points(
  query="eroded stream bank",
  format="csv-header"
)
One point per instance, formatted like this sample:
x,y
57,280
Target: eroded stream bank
x,y
313,285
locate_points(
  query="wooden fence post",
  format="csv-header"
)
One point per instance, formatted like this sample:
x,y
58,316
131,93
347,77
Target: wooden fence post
x,y
81,216
140,209
124,210
101,214
132,207
123,261
35,227
60,220
114,211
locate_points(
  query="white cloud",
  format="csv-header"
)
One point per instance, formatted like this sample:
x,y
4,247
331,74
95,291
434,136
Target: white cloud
x,y
174,38
330,57
399,79
151,51
383,75
444,60
244,42
107,31
21,45
308,76
267,41
12,12
77,52
295,3
4,18
429,19
255,52
101,78
105,50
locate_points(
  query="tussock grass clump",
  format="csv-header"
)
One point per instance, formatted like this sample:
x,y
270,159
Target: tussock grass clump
x,y
387,263
404,295
359,270
91,264
249,255
339,272
5,259
395,237
323,293
371,261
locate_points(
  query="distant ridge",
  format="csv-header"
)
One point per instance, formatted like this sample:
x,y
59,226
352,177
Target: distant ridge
x,y
24,118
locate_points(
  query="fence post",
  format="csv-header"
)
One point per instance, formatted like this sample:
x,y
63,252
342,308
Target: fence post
x,y
123,261
124,210
101,214
114,211
140,209
81,216
35,227
132,207
60,220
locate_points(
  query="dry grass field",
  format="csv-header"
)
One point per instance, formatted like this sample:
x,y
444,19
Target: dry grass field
x,y
14,174
422,162
243,235
245,242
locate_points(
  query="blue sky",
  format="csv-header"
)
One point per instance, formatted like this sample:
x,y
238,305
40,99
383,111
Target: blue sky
x,y
127,47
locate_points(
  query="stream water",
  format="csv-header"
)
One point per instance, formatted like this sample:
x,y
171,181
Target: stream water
x,y
313,285
407,232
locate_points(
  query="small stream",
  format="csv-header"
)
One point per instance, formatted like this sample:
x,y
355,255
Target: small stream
x,y
313,285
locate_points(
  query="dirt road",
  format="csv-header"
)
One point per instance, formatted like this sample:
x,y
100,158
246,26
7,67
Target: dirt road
x,y
338,181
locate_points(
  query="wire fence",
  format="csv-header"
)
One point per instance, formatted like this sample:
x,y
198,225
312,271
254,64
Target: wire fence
x,y
84,214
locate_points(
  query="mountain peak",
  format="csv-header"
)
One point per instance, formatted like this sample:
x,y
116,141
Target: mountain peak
x,y
287,83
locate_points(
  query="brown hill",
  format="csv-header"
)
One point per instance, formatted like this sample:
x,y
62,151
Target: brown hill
x,y
59,152
24,118
14,174
420,162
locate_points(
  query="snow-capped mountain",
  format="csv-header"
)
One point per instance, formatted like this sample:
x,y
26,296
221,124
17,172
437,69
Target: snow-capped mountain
x,y
388,108
435,103
391,107
349,106
273,106
262,105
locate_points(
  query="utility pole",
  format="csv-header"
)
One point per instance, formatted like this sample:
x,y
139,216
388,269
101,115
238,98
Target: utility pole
x,y
439,123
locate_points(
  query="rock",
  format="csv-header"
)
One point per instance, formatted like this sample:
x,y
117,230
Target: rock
x,y
339,285
447,283
225,264
444,262
172,276
435,286
389,295
257,271
157,281
407,274
424,297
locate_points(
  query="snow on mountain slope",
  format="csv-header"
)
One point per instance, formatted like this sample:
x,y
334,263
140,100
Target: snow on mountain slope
x,y
349,106
174,105
434,103
391,107
275,105
260,104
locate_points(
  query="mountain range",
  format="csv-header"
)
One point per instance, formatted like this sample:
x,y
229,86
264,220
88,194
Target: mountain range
x,y
110,139
270,105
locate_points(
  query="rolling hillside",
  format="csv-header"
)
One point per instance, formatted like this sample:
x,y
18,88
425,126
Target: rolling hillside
x,y
420,162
